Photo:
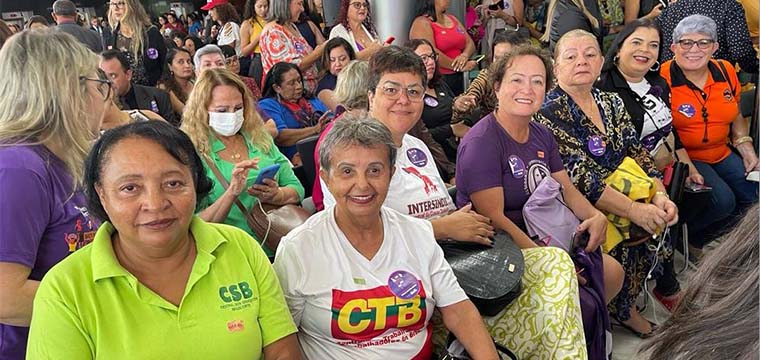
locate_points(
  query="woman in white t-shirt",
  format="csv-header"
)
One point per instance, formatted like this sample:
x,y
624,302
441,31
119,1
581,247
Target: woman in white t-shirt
x,y
226,15
379,275
544,322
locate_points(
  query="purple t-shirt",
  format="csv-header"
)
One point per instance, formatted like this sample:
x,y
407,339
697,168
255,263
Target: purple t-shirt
x,y
40,221
489,157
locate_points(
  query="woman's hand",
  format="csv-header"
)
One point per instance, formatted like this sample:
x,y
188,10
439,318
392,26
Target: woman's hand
x,y
467,225
597,230
671,210
458,63
695,177
650,217
240,175
267,192
469,65
749,157
464,103
654,13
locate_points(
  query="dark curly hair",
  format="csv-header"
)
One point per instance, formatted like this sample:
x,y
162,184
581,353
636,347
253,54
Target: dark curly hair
x,y
227,13
343,18
171,139
334,43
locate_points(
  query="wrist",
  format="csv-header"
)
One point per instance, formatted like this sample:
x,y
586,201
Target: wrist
x,y
742,140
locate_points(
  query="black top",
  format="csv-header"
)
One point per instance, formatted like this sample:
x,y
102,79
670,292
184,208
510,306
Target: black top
x,y
327,83
437,118
149,98
305,30
154,54
733,36
613,81
568,17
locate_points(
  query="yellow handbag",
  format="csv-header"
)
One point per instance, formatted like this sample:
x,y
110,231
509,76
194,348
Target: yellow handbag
x,y
631,180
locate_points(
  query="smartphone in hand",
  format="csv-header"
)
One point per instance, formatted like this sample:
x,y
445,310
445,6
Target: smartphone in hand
x,y
268,172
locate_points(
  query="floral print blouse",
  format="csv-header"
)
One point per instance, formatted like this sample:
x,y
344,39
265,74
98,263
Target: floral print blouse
x,y
589,154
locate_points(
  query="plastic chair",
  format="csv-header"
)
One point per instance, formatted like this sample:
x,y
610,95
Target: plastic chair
x,y
306,147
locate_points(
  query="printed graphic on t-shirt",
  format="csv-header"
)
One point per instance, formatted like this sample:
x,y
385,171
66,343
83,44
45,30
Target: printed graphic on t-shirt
x,y
84,231
237,296
537,171
360,318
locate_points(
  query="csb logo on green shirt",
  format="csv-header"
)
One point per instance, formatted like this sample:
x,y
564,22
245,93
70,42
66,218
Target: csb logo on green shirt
x,y
235,292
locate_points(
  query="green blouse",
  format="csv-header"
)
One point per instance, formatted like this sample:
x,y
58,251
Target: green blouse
x,y
285,177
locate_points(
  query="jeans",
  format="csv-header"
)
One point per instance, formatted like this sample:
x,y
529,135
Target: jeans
x,y
731,193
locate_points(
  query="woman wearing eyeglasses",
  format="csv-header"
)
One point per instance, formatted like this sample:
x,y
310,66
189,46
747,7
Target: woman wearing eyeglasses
x,y
705,107
44,140
354,24
134,34
439,100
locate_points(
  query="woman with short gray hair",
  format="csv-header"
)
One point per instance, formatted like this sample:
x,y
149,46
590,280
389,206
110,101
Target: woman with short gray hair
x,y
705,107
370,254
282,42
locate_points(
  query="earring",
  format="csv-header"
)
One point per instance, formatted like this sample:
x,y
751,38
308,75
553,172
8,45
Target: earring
x,y
615,59
655,67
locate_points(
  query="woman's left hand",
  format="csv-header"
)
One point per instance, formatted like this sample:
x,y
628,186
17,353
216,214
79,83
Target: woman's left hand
x,y
597,230
665,204
267,192
469,65
459,62
747,152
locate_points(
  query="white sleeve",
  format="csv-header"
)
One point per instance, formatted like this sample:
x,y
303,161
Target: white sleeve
x,y
340,31
327,198
446,289
290,271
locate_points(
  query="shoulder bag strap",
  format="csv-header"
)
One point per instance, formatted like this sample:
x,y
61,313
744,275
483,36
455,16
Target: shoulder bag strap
x,y
225,185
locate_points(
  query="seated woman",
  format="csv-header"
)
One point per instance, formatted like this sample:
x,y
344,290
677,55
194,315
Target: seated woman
x,y
630,70
296,116
337,54
232,63
354,24
153,262
374,256
438,100
550,290
705,106
594,135
505,156
228,133
479,99
177,78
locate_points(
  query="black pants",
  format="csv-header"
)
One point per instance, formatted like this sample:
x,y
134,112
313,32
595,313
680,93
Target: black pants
x,y
455,82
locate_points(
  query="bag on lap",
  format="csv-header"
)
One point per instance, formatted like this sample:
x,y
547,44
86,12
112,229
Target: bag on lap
x,y
547,218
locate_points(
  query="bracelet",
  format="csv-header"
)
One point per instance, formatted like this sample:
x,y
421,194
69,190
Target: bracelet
x,y
742,140
663,194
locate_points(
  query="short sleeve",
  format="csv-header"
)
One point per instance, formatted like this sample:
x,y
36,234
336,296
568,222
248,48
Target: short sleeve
x,y
274,318
275,111
289,270
478,165
56,331
24,215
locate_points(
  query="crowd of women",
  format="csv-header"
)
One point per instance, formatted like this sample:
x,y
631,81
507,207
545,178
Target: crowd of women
x,y
125,236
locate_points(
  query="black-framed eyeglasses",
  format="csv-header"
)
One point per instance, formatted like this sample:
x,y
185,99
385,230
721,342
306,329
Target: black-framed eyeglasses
x,y
704,118
426,57
104,86
118,4
703,44
358,5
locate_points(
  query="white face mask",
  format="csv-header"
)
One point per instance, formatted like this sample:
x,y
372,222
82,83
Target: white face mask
x,y
226,124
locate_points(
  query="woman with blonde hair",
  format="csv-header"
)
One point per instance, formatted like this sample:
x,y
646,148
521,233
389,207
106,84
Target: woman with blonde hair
x,y
44,139
134,34
220,118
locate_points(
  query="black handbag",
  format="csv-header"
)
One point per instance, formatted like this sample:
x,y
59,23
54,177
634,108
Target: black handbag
x,y
490,276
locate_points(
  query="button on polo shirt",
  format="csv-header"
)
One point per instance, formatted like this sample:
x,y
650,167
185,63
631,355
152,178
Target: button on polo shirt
x,y
686,106
89,306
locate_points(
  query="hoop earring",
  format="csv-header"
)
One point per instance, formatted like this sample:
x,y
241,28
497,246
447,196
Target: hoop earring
x,y
657,63
615,59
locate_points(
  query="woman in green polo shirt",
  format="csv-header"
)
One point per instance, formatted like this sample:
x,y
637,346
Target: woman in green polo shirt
x,y
221,119
158,282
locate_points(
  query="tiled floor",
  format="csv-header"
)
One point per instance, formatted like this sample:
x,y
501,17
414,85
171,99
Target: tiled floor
x,y
624,344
